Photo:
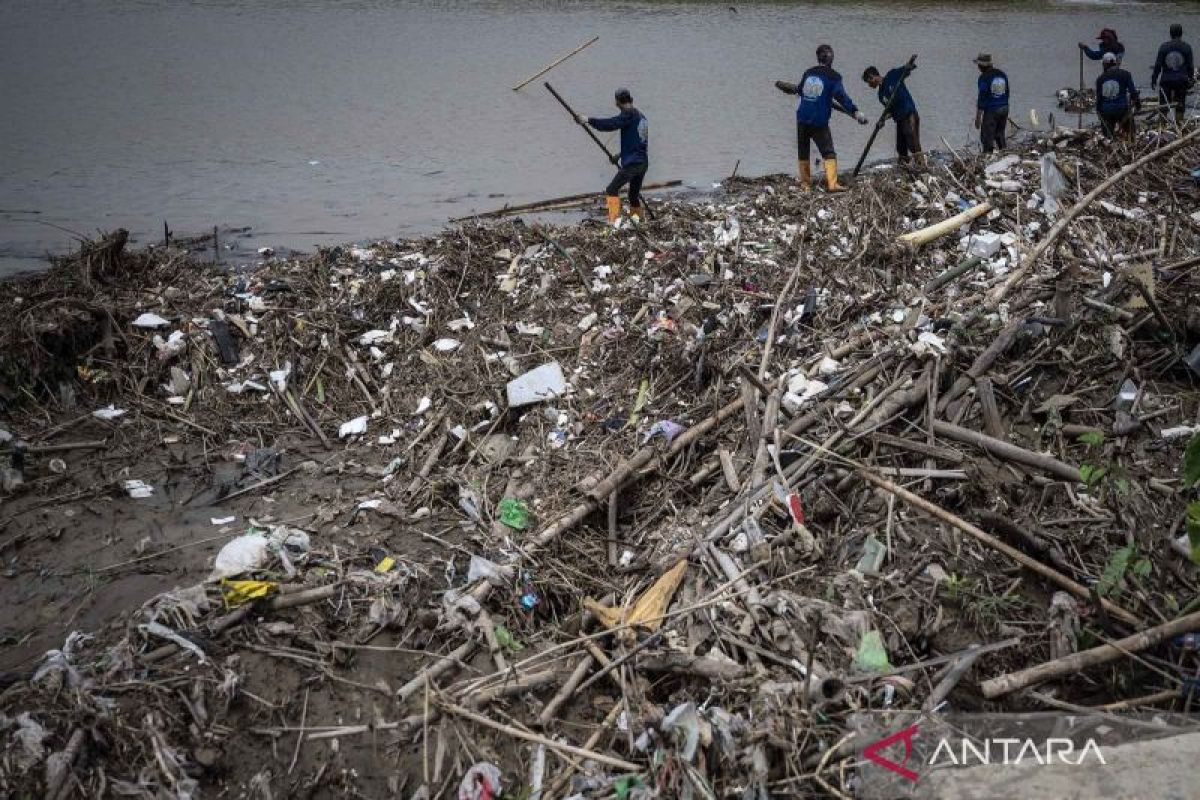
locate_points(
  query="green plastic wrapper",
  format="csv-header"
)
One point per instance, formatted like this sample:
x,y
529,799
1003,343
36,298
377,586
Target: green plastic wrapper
x,y
872,656
514,513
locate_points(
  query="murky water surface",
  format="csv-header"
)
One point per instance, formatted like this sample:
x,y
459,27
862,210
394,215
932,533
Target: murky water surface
x,y
322,121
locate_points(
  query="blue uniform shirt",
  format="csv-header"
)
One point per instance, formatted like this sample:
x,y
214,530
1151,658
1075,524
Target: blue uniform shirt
x,y
635,134
1115,91
1174,63
993,90
903,106
820,87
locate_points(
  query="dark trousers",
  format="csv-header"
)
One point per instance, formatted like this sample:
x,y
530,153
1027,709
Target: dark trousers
x,y
633,175
1174,93
908,136
1117,124
806,135
993,130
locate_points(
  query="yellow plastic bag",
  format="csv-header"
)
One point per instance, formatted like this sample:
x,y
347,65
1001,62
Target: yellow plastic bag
x,y
648,611
238,593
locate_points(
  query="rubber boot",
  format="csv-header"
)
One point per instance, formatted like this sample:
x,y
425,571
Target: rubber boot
x,y
635,213
831,178
805,176
614,209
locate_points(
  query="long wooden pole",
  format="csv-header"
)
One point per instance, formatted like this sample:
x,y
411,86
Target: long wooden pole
x,y
1079,124
1052,575
554,64
575,119
887,108
1018,275
1103,654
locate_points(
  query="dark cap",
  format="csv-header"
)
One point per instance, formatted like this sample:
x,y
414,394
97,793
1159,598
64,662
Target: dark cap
x,y
623,96
1104,32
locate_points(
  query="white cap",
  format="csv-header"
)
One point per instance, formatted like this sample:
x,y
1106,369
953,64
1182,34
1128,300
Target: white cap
x,y
1110,58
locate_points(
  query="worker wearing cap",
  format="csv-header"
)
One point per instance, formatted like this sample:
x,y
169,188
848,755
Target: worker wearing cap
x,y
1116,98
1174,72
821,91
903,110
991,107
634,159
1108,44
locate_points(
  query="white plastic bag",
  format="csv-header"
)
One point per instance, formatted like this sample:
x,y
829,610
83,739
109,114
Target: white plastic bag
x,y
1054,184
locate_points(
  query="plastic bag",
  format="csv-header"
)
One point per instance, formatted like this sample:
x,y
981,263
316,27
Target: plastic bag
x,y
1054,184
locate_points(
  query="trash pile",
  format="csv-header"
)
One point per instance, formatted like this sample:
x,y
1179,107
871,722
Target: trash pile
x,y
553,512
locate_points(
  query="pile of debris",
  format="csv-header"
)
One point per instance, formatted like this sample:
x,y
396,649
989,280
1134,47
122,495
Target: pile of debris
x,y
563,512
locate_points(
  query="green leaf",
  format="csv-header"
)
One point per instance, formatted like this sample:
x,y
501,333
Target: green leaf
x,y
1193,530
505,639
1122,485
1093,438
1142,567
1114,570
1091,474
1191,462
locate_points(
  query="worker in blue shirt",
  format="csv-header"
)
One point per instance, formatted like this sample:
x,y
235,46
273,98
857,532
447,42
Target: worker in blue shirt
x,y
991,109
635,158
1174,72
821,91
1116,99
902,110
1108,44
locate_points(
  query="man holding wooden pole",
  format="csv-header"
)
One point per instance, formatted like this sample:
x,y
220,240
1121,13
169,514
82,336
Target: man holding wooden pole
x,y
899,105
821,91
634,159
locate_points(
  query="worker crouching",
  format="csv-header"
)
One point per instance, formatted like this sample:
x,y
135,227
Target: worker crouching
x,y
634,159
1116,99
821,91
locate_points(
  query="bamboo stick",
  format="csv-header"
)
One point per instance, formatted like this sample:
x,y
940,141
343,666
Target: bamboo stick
x,y
1018,275
1076,662
555,63
1052,575
931,233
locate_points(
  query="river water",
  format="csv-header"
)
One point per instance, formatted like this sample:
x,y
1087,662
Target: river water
x,y
323,121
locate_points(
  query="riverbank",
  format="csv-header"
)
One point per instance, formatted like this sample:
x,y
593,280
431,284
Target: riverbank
x,y
827,459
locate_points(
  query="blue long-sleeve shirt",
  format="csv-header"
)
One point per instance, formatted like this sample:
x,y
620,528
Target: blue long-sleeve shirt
x,y
993,90
635,134
1174,63
903,106
1115,92
819,88
1097,53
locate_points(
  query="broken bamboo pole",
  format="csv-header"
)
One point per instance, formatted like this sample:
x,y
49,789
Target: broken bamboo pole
x,y
1008,451
923,236
1077,662
1017,276
937,512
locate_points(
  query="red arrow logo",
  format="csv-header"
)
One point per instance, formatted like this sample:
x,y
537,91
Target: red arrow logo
x,y
872,752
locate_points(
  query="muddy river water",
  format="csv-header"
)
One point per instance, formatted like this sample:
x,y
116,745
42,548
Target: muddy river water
x,y
321,121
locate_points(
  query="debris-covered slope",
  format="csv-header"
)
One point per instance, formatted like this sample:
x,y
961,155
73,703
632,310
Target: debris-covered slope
x,y
775,464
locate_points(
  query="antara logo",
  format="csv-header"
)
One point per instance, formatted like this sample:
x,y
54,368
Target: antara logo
x,y
985,751
872,752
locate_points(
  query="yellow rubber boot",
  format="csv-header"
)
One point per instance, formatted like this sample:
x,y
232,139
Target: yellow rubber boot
x,y
635,213
831,178
614,208
805,176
